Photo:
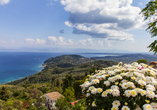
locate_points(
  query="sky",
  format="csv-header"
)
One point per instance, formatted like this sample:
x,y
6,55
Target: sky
x,y
50,25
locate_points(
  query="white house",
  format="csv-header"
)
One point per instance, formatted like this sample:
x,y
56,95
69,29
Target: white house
x,y
51,98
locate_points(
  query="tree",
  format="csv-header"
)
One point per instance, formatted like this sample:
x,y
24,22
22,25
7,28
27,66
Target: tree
x,y
61,103
68,81
149,12
69,94
17,104
142,61
5,94
77,88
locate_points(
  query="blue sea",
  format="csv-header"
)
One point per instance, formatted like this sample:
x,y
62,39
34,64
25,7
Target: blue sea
x,y
16,65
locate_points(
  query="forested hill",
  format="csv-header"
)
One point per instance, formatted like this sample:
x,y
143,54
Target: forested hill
x,y
128,58
65,61
58,67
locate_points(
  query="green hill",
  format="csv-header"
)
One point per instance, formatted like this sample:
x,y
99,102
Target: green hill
x,y
75,65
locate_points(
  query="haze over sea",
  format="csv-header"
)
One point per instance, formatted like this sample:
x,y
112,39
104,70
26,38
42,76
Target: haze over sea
x,y
16,65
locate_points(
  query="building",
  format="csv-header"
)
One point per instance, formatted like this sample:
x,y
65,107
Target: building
x,y
51,98
153,64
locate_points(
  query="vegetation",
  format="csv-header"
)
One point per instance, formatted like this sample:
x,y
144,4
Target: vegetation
x,y
142,61
27,93
149,12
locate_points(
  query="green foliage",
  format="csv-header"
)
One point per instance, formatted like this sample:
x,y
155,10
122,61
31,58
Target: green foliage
x,y
77,88
142,61
68,81
17,104
149,13
61,103
69,94
4,94
42,108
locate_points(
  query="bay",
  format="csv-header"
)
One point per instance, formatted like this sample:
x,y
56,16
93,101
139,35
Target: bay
x,y
16,65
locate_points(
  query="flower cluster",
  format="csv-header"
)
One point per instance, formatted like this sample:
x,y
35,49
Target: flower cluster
x,y
125,87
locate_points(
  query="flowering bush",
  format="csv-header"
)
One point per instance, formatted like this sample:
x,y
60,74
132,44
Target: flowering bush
x,y
121,87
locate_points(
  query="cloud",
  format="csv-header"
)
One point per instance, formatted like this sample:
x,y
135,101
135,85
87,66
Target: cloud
x,y
59,41
100,43
109,19
2,42
61,31
88,42
36,41
12,41
2,2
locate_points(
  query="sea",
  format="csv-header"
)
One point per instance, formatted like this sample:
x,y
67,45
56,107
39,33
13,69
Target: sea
x,y
17,65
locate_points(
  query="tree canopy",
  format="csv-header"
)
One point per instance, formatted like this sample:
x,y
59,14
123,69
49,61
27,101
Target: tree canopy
x,y
149,12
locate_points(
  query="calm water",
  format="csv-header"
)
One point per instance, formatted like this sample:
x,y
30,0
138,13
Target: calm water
x,y
16,65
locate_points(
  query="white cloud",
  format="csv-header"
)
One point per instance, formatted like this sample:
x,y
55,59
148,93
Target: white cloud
x,y
59,41
40,41
12,41
104,18
37,41
88,42
100,43
2,2
29,40
2,41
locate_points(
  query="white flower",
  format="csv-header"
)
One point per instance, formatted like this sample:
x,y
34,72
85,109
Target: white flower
x,y
129,74
127,93
116,103
107,83
124,85
125,108
104,94
150,88
95,81
114,108
138,90
115,92
114,87
150,94
93,104
111,73
130,84
99,90
91,87
118,77
112,79
147,107
117,70
141,82
133,93
143,92
109,91
88,94
94,91
124,81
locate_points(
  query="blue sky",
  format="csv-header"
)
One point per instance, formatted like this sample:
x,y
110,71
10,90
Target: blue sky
x,y
73,24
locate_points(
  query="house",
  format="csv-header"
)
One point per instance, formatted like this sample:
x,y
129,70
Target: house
x,y
51,98
153,64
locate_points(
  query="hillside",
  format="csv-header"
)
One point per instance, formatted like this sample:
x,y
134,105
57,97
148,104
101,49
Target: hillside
x,y
75,65
128,58
65,61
